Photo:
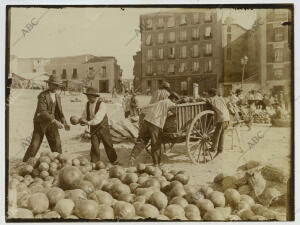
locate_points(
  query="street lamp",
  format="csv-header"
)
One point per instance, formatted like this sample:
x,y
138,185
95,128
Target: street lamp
x,y
244,61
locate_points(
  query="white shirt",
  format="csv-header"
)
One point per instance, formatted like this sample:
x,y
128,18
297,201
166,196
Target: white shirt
x,y
220,107
157,113
95,119
52,95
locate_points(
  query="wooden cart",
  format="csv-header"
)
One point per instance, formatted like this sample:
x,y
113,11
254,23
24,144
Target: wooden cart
x,y
195,126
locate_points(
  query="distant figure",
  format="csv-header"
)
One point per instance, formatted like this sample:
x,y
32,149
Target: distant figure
x,y
133,105
114,92
48,118
161,94
258,99
126,103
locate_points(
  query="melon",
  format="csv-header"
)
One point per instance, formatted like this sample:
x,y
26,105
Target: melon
x,y
68,176
75,195
232,197
217,198
182,177
101,197
229,182
130,178
192,212
246,214
213,215
131,169
244,189
94,178
169,176
119,189
64,207
21,213
234,218
174,211
124,210
179,201
150,170
142,180
147,192
162,217
206,190
84,185
193,198
243,205
225,211
152,182
87,209
44,166
141,167
147,211
159,200
127,198
117,172
248,199
38,203
134,186
23,201
51,215
204,205
55,194
141,199
36,187
105,212
177,191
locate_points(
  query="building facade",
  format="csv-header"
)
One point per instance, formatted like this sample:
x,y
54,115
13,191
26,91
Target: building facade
x,y
103,73
137,71
237,43
274,44
183,48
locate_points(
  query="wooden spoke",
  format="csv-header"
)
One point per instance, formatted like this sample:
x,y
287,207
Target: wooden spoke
x,y
199,152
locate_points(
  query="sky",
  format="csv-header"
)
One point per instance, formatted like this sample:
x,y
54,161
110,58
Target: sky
x,y
96,31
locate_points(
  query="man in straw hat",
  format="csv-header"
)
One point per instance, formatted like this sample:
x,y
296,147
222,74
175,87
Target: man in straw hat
x,y
162,93
95,115
48,118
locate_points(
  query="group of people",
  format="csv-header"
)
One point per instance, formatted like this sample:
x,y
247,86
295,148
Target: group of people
x,y
130,104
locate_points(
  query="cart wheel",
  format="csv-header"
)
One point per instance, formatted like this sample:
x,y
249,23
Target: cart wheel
x,y
199,137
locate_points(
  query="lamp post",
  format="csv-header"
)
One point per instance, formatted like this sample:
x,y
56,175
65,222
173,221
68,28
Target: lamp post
x,y
244,61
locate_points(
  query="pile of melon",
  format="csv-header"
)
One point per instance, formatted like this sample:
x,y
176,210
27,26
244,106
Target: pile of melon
x,y
55,186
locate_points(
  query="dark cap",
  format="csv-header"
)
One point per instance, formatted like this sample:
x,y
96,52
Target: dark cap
x,y
54,79
92,91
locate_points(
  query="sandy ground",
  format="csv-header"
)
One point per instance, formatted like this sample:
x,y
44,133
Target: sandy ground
x,y
274,148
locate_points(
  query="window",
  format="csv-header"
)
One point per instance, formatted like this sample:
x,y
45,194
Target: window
x,y
208,66
161,38
182,67
160,68
228,38
196,18
229,28
149,68
172,53
207,32
172,36
182,19
34,70
183,86
148,40
278,34
195,50
207,17
228,54
149,54
149,84
148,23
171,22
278,54
195,66
208,49
74,75
53,71
278,73
171,68
183,35
195,35
160,22
183,52
64,74
160,53
104,71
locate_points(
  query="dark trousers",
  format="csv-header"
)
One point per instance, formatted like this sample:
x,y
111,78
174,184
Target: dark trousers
x,y
147,132
127,114
102,133
52,136
218,138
